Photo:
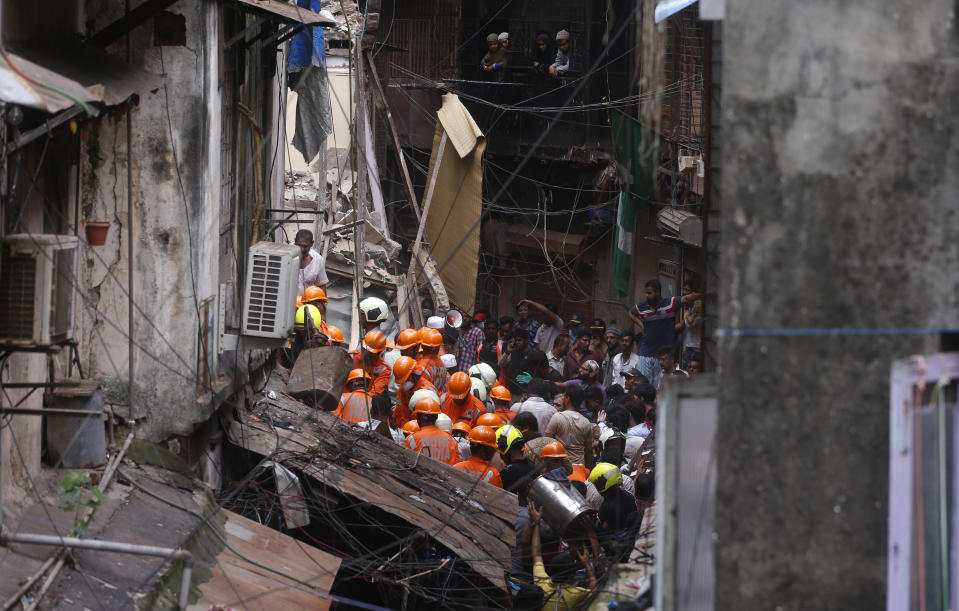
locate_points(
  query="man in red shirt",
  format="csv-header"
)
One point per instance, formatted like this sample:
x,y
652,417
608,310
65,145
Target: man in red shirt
x,y
431,340
482,449
431,440
368,359
355,401
460,404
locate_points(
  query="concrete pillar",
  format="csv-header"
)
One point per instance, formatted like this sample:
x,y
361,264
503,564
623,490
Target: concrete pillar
x,y
839,210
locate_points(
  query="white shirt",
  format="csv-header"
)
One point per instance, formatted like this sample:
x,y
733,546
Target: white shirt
x,y
314,274
619,367
539,408
556,362
397,434
546,336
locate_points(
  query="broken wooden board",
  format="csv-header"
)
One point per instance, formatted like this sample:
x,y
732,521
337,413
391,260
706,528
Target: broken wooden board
x,y
236,582
473,519
319,375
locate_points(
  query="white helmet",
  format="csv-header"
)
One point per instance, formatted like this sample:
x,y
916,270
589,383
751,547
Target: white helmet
x,y
422,394
449,360
484,372
479,389
374,309
443,422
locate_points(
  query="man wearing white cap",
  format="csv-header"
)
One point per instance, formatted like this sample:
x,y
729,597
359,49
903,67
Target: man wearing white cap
x,y
504,40
560,65
450,361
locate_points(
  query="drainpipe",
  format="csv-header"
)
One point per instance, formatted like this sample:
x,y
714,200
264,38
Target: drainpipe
x,y
114,546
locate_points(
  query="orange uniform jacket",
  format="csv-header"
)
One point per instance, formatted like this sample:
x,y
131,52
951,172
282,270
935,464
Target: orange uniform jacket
x,y
434,368
353,406
505,414
379,371
402,413
467,412
436,443
580,474
480,469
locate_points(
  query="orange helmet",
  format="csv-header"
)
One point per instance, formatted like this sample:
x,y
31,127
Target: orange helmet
x,y
356,374
428,406
407,338
482,435
553,449
335,334
411,427
374,342
461,426
490,420
299,302
431,338
314,293
459,385
500,392
402,368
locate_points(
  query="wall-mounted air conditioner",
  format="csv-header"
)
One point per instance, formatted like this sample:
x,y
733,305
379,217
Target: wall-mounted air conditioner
x,y
269,298
37,288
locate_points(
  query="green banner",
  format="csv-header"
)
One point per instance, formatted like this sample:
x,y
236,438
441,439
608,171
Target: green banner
x,y
637,154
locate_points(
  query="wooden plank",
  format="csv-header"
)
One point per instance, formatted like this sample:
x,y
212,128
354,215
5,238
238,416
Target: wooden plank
x,y
473,520
235,578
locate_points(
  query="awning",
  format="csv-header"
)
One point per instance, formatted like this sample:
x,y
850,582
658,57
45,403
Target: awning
x,y
90,68
667,8
288,12
14,89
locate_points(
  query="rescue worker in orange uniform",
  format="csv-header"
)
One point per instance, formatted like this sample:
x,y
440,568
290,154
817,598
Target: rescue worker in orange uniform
x,y
460,432
315,296
430,342
410,427
368,359
482,449
355,401
460,404
408,342
431,440
552,455
491,420
501,402
409,378
336,336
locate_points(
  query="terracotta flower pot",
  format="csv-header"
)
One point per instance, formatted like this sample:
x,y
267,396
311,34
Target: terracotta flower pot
x,y
96,232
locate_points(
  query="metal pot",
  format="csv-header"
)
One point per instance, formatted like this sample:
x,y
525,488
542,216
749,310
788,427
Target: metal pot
x,y
562,505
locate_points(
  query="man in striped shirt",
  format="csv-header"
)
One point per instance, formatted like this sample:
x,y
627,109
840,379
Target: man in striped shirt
x,y
657,321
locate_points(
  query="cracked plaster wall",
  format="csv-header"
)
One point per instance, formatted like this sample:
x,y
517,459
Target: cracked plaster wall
x,y
171,274
840,194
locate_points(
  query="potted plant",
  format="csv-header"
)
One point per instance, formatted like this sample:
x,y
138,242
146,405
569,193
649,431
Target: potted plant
x,y
96,232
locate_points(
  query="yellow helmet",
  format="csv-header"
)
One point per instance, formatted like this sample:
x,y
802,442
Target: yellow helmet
x,y
506,437
315,315
604,476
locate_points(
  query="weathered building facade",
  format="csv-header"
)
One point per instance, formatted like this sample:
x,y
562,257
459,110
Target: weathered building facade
x,y
178,150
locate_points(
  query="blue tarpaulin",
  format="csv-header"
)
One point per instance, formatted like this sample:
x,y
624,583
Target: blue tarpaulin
x,y
307,47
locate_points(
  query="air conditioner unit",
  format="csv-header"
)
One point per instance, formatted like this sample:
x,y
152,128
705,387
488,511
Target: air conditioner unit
x,y
37,288
269,302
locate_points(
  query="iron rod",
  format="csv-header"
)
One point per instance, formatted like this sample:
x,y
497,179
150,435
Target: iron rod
x,y
114,546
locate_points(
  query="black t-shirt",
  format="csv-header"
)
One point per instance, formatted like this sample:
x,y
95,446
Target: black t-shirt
x,y
618,510
517,476
487,354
